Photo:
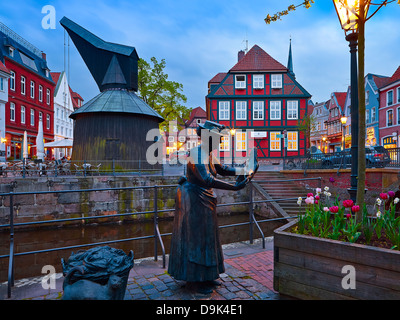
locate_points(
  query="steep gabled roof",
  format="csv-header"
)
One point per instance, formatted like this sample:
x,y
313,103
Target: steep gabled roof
x,y
387,81
341,98
258,60
4,68
218,78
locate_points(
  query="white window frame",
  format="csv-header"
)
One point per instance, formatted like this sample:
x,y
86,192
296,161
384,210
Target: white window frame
x,y
32,117
239,146
241,109
225,143
224,110
292,139
32,89
276,140
2,84
12,80
367,97
40,93
48,100
387,118
398,94
276,81
12,111
398,115
276,107
387,98
240,84
258,81
258,109
373,114
23,85
48,120
293,106
23,114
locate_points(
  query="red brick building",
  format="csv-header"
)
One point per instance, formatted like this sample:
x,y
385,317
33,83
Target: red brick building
x,y
261,99
389,111
31,92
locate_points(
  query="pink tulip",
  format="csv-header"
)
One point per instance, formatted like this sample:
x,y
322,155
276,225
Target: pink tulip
x,y
355,208
391,194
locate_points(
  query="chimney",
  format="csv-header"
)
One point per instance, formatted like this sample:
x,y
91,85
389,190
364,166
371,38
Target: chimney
x,y
240,55
44,56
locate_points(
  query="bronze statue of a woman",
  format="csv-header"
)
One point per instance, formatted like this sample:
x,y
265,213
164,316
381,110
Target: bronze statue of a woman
x,y
196,253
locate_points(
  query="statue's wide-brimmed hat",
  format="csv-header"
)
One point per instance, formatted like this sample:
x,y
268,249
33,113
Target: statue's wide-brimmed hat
x,y
213,127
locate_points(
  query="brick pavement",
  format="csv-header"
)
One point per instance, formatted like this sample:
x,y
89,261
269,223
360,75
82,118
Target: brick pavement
x,y
248,276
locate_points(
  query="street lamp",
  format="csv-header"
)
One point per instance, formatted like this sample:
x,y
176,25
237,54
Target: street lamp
x,y
350,19
343,120
233,131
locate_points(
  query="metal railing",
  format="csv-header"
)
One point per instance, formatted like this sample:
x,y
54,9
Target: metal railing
x,y
157,236
394,154
27,168
341,160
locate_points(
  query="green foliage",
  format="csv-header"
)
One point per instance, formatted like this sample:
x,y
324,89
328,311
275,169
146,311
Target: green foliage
x,y
164,96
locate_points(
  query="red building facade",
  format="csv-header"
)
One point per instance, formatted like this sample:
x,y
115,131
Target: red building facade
x,y
31,93
261,99
389,111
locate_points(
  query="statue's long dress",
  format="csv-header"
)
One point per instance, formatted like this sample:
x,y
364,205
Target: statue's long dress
x,y
196,252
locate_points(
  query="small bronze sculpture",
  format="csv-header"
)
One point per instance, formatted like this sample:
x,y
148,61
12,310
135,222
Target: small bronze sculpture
x,y
196,253
99,273
90,290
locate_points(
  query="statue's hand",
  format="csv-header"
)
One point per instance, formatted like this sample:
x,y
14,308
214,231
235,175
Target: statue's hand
x,y
241,182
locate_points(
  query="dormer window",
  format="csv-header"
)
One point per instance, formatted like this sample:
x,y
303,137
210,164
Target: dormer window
x,y
240,82
11,51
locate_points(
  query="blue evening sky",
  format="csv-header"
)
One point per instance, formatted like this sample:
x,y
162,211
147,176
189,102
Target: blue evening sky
x,y
199,38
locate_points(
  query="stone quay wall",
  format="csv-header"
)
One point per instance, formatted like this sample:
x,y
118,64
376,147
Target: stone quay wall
x,y
38,207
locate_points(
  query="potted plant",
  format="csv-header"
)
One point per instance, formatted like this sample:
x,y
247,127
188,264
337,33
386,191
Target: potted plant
x,y
327,254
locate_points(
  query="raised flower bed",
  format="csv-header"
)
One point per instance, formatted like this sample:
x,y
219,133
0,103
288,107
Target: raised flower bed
x,y
309,266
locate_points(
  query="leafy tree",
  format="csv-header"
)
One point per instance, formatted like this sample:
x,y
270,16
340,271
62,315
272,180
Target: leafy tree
x,y
362,18
306,125
164,96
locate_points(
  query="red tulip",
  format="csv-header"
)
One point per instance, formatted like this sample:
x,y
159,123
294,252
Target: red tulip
x,y
348,216
334,209
348,203
384,196
355,208
316,197
310,195
391,194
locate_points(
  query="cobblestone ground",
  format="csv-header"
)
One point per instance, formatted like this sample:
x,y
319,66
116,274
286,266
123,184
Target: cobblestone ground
x,y
248,276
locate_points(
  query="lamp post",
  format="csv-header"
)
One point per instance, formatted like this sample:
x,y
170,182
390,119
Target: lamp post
x,y
233,131
352,21
343,120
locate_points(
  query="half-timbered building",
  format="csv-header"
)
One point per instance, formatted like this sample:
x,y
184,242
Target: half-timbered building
x,y
261,99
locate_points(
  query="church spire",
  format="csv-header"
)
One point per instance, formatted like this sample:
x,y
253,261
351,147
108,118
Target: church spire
x,y
290,60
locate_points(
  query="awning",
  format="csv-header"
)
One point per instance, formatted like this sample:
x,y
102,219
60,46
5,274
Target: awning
x,y
64,143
